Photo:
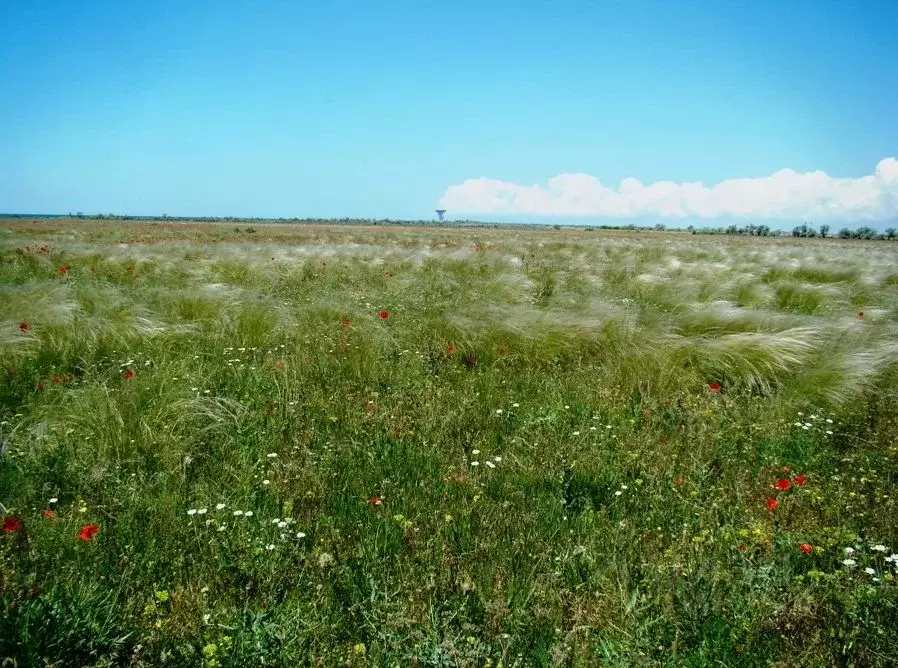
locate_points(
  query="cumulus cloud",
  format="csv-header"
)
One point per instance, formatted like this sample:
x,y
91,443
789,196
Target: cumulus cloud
x,y
785,195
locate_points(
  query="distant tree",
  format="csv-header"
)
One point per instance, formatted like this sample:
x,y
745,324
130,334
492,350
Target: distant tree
x,y
804,230
824,230
659,226
890,233
865,233
844,233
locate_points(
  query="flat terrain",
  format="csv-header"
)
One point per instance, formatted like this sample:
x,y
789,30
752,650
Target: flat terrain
x,y
243,444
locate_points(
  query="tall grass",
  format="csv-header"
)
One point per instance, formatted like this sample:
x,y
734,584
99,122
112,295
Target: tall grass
x,y
558,448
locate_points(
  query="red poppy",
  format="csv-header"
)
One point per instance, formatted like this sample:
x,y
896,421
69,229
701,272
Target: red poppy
x,y
471,359
279,364
64,269
860,314
714,387
384,314
807,548
800,479
346,322
49,514
771,503
11,523
450,349
679,480
503,350
783,484
272,409
388,274
128,374
375,500
129,268
40,386
88,531
23,325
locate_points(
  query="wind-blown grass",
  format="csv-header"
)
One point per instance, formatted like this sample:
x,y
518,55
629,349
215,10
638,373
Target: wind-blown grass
x,y
557,448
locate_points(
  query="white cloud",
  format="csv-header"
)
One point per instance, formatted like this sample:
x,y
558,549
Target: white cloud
x,y
785,195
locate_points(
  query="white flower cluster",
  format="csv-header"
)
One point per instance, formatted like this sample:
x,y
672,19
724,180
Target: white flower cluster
x,y
813,422
282,524
489,463
852,554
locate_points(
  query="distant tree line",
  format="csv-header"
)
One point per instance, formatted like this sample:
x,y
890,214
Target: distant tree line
x,y
746,230
864,232
803,231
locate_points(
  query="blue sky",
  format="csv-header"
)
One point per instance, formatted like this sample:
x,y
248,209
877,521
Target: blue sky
x,y
379,109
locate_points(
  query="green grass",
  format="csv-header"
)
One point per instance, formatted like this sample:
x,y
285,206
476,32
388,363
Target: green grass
x,y
524,464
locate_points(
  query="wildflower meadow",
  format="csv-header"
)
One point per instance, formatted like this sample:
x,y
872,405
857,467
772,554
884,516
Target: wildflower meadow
x,y
336,445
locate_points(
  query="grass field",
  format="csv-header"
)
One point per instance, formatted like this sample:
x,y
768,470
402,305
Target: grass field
x,y
387,446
